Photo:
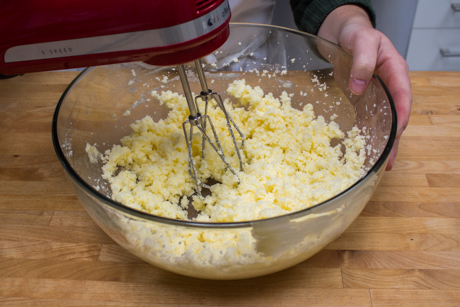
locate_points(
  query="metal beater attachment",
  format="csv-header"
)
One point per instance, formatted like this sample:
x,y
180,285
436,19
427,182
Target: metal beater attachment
x,y
200,121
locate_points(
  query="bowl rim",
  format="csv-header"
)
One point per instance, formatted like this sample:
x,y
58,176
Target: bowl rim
x,y
217,225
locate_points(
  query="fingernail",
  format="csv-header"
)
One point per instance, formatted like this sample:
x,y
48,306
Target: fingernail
x,y
358,86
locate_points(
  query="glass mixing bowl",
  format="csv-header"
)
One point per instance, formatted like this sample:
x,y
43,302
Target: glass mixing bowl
x,y
93,110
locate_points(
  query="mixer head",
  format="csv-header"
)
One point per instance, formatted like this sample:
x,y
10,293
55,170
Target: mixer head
x,y
45,35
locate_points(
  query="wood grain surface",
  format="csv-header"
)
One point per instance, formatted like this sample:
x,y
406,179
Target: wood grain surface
x,y
403,250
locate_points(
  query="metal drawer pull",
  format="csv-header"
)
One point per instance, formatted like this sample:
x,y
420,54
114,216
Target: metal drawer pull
x,y
447,53
455,7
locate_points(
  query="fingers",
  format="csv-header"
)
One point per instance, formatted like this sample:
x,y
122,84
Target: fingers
x,y
393,70
394,151
403,101
394,73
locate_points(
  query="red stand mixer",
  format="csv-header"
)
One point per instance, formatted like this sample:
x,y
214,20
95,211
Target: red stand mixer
x,y
42,35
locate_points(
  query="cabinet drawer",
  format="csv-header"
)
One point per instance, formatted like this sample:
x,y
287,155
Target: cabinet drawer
x,y
436,14
424,50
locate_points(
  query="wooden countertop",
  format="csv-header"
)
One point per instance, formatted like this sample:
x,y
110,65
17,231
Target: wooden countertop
x,y
403,250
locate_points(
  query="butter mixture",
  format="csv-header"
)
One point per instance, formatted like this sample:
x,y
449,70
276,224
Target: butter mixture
x,y
289,163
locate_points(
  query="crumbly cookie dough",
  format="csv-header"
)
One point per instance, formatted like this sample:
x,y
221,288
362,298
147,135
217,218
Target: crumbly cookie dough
x,y
289,163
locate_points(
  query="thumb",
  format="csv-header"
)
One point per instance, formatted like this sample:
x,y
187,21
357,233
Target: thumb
x,y
364,50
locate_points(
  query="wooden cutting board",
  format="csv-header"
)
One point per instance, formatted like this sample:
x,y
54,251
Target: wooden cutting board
x,y
403,250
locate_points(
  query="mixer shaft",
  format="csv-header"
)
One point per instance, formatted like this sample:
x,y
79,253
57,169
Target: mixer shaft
x,y
200,121
207,95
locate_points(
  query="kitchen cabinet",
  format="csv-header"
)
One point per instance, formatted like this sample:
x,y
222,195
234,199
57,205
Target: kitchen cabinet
x,y
435,36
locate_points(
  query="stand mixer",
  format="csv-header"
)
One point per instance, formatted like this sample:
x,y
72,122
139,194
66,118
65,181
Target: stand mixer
x,y
43,35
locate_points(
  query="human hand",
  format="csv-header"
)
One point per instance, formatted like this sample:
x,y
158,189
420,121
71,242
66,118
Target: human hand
x,y
350,27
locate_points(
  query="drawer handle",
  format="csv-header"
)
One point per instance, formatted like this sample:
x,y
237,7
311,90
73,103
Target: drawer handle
x,y
455,7
447,53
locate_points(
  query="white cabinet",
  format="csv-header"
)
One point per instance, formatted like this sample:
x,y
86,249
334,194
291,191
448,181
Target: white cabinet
x,y
435,37
437,14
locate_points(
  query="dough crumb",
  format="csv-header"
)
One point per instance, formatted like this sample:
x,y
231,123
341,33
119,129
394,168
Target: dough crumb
x,y
93,153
